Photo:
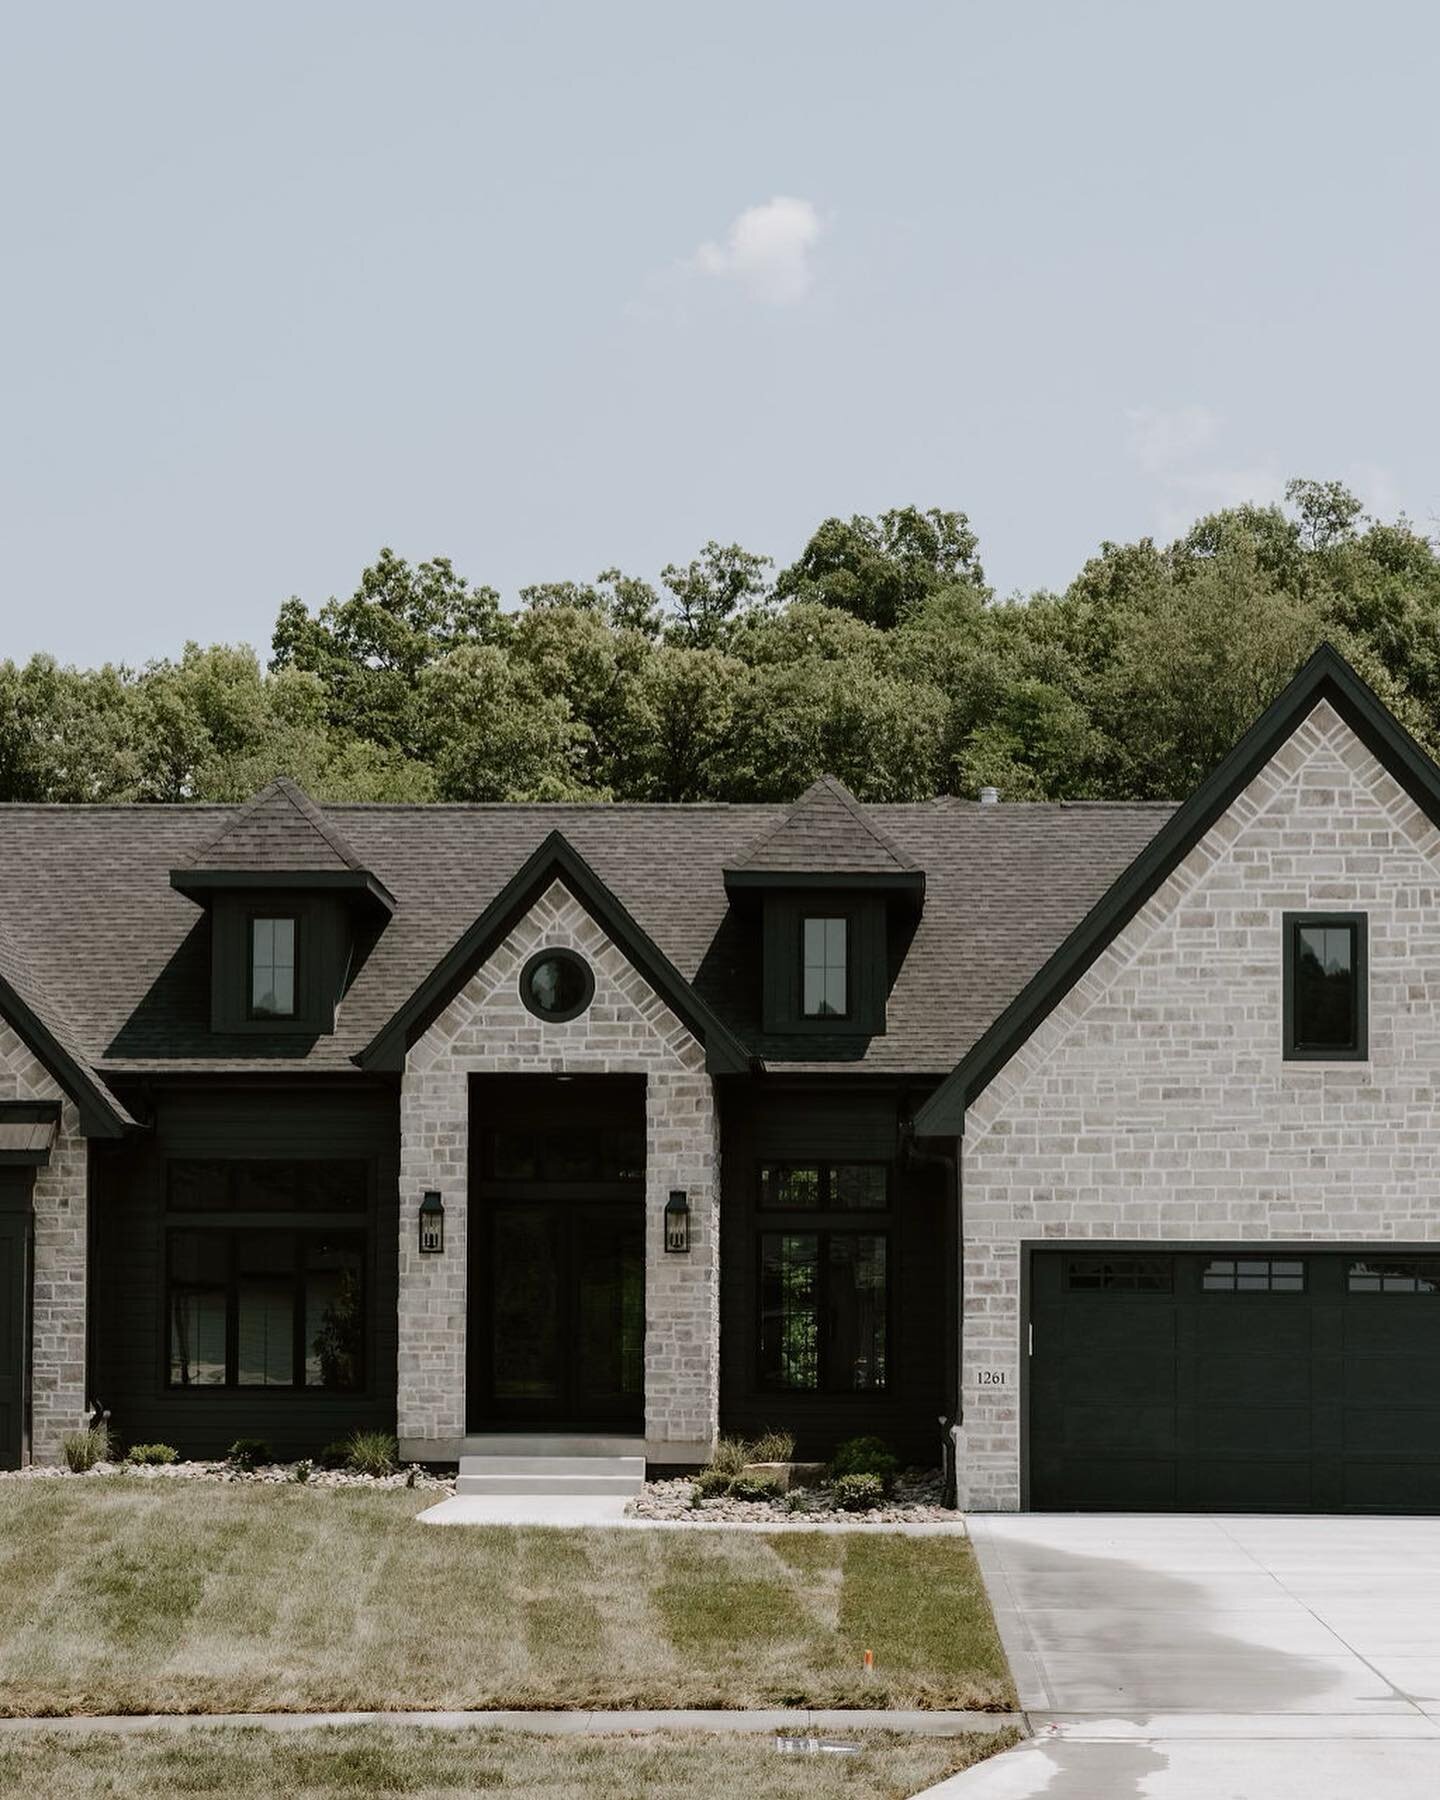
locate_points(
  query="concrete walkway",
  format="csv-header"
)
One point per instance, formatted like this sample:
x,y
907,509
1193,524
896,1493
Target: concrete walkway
x,y
798,1720
569,1513
1181,1658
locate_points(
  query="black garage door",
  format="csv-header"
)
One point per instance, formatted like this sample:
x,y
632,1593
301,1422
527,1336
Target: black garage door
x,y
1235,1380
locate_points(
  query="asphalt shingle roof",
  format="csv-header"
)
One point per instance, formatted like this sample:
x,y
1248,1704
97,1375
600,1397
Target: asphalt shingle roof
x,y
123,960
826,832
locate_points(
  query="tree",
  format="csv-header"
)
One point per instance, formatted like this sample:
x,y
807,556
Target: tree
x,y
882,569
711,590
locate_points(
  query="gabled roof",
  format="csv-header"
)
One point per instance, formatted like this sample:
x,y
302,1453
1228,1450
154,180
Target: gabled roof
x,y
49,1036
823,839
280,839
1325,677
554,859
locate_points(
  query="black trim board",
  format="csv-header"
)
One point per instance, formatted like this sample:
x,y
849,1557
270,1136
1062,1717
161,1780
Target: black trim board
x,y
1325,677
196,884
555,858
101,1115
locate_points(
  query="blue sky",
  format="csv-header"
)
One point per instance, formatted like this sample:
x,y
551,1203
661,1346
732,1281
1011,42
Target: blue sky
x,y
550,288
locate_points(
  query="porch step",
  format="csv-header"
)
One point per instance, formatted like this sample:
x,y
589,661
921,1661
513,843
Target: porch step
x,y
554,1443
617,1476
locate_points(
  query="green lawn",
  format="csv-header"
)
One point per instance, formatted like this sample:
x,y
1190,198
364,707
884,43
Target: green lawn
x,y
416,1762
118,1595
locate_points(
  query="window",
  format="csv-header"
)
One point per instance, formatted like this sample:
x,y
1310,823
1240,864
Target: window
x,y
256,1308
1395,1275
825,968
560,1153
265,1184
272,968
812,1187
557,985
1253,1275
1120,1274
1325,986
823,1311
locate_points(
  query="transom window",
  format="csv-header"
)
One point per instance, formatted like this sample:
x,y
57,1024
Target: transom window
x,y
267,1184
1394,1275
272,967
1253,1275
825,967
824,1309
1120,1274
1325,986
823,1187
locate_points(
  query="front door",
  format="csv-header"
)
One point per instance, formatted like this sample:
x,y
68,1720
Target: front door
x,y
566,1313
15,1239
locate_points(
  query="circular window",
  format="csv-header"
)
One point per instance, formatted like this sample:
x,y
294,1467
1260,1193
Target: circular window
x,y
556,984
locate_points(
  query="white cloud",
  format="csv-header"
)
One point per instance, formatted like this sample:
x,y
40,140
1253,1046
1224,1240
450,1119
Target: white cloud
x,y
1161,438
767,251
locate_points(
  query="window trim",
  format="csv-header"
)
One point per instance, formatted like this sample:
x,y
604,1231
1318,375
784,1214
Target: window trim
x,y
564,954
1292,924
824,1390
253,916
839,915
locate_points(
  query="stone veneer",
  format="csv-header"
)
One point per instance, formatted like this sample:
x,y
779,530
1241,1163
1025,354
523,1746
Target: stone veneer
x,y
57,1322
1154,1102
627,1029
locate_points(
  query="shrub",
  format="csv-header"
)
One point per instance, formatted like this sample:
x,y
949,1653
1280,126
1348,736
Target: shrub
x,y
729,1457
371,1453
83,1449
755,1487
248,1454
773,1446
152,1455
302,1470
865,1456
710,1482
334,1456
858,1493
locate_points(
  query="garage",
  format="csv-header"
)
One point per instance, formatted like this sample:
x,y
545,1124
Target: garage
x,y
1235,1379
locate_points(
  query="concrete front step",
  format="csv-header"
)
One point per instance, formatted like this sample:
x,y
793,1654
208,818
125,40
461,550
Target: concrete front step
x,y
615,1487
633,1467
532,1443
615,1476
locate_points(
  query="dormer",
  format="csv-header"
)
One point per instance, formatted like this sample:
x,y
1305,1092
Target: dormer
x,y
828,884
287,898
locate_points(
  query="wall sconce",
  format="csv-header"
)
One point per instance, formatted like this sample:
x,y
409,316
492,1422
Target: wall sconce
x,y
677,1223
432,1224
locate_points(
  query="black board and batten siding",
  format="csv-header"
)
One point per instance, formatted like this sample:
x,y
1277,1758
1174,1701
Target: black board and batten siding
x,y
786,1124
129,1348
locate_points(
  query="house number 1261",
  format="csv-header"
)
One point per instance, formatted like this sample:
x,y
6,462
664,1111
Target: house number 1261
x,y
992,1378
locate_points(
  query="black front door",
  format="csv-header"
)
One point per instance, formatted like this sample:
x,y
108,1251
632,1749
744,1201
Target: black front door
x,y
15,1253
564,1325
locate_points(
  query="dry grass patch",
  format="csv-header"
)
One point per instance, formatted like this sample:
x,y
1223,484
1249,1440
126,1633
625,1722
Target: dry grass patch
x,y
122,1596
423,1764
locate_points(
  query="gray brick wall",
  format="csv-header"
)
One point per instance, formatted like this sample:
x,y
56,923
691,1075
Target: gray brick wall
x,y
1154,1103
57,1333
627,1029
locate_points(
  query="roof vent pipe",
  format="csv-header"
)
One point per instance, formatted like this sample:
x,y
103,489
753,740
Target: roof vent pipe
x,y
989,796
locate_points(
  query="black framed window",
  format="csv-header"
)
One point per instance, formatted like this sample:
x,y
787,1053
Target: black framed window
x,y
274,943
268,1184
1253,1275
824,1311
824,1187
824,967
254,1308
1120,1274
1394,1275
1326,983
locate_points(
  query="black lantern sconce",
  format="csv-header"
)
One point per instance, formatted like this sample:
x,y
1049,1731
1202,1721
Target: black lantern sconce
x,y
432,1224
677,1223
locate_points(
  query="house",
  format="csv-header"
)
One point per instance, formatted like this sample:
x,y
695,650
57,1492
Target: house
x,y
1092,1146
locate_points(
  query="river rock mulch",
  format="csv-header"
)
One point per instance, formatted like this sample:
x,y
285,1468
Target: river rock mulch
x,y
915,1500
271,1474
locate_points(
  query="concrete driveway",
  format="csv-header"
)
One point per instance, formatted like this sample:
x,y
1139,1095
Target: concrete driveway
x,y
1223,1658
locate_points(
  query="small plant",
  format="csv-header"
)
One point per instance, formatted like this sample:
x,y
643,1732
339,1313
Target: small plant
x,y
302,1470
865,1456
371,1453
710,1482
335,1455
247,1454
83,1449
729,1456
755,1487
858,1493
152,1455
773,1447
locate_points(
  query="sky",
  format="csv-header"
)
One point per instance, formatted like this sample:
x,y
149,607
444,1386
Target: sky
x,y
553,288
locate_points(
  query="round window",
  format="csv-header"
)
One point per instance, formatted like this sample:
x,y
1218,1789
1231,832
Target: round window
x,y
556,984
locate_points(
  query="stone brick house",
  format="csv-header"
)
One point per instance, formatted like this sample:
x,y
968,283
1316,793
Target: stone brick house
x,y
1087,1146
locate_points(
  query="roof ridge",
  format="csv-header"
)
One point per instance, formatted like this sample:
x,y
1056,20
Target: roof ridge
x,y
282,787
830,786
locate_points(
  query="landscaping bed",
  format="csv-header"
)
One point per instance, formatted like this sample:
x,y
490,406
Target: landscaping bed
x,y
121,1595
915,1499
262,1474
415,1761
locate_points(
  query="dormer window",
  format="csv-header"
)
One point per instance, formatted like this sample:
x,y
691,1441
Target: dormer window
x,y
272,966
825,965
